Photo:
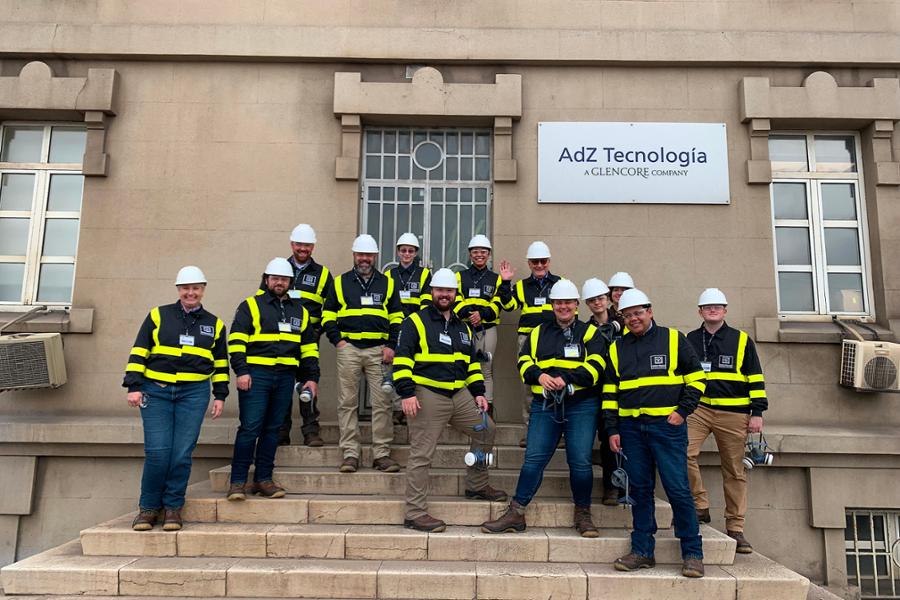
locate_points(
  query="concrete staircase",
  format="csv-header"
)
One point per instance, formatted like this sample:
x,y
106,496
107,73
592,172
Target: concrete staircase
x,y
339,536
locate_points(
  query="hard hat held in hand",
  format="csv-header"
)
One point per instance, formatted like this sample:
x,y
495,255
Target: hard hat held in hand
x,y
189,274
564,290
633,297
366,244
408,239
538,250
712,296
480,241
622,280
280,267
303,234
593,287
444,278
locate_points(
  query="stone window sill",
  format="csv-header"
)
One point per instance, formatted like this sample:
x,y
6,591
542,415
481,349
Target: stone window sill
x,y
70,320
773,329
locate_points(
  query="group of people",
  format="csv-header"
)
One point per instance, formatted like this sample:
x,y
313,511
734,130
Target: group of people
x,y
425,344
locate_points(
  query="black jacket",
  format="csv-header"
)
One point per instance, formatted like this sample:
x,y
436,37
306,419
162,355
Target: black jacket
x,y
532,298
479,290
413,286
375,323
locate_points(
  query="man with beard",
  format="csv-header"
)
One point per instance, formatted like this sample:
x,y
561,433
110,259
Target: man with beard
x,y
362,317
437,377
272,345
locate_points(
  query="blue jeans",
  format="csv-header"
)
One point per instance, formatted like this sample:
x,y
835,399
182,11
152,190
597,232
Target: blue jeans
x,y
172,419
262,411
651,446
544,432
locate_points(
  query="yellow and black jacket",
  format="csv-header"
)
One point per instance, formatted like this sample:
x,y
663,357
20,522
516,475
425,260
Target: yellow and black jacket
x,y
608,330
413,285
311,285
423,358
159,355
532,297
650,376
272,332
734,381
574,353
376,323
479,290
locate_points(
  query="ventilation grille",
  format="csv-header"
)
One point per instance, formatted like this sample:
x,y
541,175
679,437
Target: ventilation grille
x,y
23,365
848,363
880,373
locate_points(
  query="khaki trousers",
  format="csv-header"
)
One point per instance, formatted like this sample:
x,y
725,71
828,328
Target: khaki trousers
x,y
487,342
527,395
352,363
461,413
730,431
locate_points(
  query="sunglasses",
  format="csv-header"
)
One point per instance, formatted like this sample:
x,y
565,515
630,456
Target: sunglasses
x,y
538,261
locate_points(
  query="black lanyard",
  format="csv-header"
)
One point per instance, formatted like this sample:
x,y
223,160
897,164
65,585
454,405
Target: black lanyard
x,y
475,282
405,284
365,286
705,344
184,318
543,282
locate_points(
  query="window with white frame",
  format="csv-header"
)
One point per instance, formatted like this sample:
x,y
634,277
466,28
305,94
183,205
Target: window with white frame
x,y
40,211
818,209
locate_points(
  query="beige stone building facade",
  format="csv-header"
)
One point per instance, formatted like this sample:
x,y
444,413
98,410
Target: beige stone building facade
x,y
210,129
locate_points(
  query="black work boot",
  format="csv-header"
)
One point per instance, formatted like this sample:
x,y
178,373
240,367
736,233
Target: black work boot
x,y
512,521
703,515
584,524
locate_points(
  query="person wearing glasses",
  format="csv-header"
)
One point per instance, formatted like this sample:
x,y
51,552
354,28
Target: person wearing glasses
x,y
731,407
561,362
531,296
653,383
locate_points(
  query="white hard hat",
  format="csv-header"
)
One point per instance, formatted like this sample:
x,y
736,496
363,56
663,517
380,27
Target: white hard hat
x,y
564,290
622,280
480,241
408,239
365,243
593,287
280,267
444,278
303,234
633,297
189,274
538,250
712,296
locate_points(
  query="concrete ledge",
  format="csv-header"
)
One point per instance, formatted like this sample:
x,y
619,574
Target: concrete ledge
x,y
71,320
774,329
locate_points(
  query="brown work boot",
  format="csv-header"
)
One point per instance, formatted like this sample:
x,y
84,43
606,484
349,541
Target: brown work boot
x,y
487,493
172,522
349,465
145,520
512,521
425,523
268,489
743,546
703,515
633,562
386,464
237,491
583,522
610,497
313,440
692,567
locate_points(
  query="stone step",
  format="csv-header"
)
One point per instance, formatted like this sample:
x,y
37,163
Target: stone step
x,y
205,505
368,481
447,456
66,571
384,542
506,434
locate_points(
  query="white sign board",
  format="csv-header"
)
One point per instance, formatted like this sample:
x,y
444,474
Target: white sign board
x,y
664,163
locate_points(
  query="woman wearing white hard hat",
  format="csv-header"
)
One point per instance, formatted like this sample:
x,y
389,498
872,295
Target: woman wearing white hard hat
x,y
618,283
180,349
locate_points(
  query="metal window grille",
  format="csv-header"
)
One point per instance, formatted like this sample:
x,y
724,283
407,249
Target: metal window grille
x,y
872,548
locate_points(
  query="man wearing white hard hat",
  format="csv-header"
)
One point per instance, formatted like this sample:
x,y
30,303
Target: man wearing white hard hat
x,y
439,379
531,296
273,345
479,304
310,284
180,349
609,327
731,407
654,382
561,362
362,317
412,282
618,283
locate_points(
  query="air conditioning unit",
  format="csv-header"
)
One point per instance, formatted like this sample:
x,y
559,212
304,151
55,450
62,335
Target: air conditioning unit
x,y
868,366
31,360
